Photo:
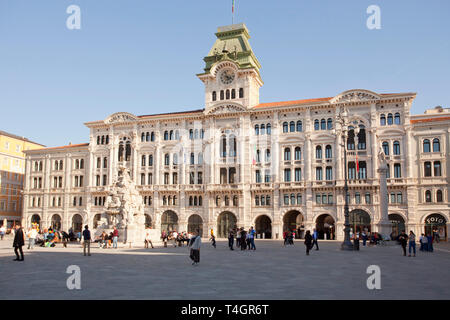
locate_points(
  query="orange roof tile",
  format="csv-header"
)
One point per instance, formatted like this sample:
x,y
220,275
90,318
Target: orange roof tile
x,y
290,103
430,119
63,147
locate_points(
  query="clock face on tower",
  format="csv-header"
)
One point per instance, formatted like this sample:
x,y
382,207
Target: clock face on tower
x,y
227,76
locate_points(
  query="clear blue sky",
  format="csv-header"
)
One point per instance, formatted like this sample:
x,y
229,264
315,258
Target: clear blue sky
x,y
141,56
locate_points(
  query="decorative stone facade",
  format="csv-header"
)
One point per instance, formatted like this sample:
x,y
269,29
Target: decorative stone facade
x,y
276,166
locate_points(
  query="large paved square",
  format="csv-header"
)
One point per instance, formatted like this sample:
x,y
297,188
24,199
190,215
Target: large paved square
x,y
270,272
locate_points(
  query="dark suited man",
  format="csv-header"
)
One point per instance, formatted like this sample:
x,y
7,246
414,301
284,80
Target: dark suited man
x,y
19,242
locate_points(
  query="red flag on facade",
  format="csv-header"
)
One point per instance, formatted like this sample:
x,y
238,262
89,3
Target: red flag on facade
x,y
357,163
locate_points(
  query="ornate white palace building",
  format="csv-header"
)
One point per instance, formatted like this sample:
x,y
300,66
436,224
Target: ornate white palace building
x,y
239,162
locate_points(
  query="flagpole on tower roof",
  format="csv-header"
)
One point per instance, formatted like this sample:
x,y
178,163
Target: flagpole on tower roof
x,y
232,11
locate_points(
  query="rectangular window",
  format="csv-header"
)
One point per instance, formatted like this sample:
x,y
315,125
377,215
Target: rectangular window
x,y
200,178
330,198
329,173
267,176
318,199
367,198
287,175
258,176
286,199
318,173
298,174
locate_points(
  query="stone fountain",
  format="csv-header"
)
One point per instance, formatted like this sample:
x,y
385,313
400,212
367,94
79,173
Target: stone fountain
x,y
124,209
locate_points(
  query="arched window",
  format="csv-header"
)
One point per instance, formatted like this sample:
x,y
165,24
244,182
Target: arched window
x,y
227,94
439,196
426,145
287,154
428,196
196,134
361,138
316,124
318,152
385,147
390,119
263,129
142,136
233,146
195,201
297,153
223,147
329,124
98,139
256,129
166,135
222,95
214,96
143,161
285,127
241,92
323,125
233,94
328,152
396,147
299,126
192,158
200,158
128,151
397,118
437,168
269,129
191,202
175,158
147,136
267,159
171,135
103,139
227,201
351,139
436,145
382,120
150,160
152,136
263,200
166,159
291,126
257,200
200,200
235,201
177,135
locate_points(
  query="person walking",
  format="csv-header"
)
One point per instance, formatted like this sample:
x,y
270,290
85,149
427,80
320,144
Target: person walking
x,y
251,235
315,238
285,238
86,240
231,239
194,246
213,239
32,234
412,243
2,232
364,237
308,241
356,241
403,239
19,242
115,237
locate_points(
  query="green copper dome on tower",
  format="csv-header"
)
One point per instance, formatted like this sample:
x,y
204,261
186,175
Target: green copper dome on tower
x,y
232,44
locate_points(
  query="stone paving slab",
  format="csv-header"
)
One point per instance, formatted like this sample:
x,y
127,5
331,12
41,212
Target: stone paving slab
x,y
270,272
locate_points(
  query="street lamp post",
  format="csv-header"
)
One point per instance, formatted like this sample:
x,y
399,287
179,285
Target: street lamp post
x,y
347,244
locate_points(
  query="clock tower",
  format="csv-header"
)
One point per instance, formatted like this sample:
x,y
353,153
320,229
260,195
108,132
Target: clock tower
x,y
231,75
